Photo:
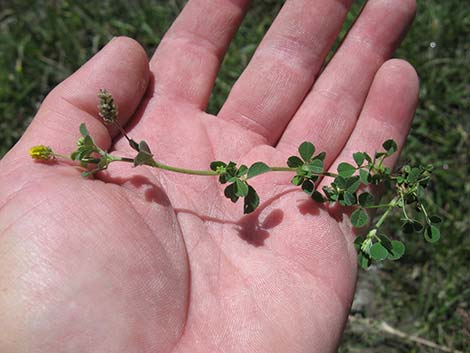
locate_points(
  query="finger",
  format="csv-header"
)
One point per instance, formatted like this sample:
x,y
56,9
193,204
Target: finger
x,y
283,67
329,113
121,67
387,113
187,59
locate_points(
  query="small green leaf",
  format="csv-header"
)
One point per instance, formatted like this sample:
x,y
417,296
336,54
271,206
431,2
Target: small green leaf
x,y
435,219
241,188
257,169
318,197
242,170
363,260
408,227
307,187
413,176
345,169
251,201
88,141
297,180
143,147
340,182
378,252
418,226
321,156
294,162
397,251
352,184
306,150
83,130
366,199
143,158
359,158
432,234
390,146
315,166
230,192
367,157
358,242
349,199
87,173
364,176
231,170
380,154
359,218
217,166
331,194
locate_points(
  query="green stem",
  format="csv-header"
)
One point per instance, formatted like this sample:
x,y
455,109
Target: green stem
x,y
289,169
380,206
182,170
392,204
156,164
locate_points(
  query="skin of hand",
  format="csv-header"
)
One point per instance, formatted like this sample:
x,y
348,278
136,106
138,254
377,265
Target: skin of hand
x,y
148,261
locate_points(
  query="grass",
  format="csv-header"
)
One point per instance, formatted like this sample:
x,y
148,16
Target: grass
x,y
428,292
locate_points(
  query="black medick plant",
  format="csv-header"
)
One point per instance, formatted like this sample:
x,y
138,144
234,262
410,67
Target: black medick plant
x,y
346,189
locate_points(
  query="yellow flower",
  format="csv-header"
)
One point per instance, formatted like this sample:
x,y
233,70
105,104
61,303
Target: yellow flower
x,y
41,152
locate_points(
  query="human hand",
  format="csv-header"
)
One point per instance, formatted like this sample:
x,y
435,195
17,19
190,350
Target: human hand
x,y
142,260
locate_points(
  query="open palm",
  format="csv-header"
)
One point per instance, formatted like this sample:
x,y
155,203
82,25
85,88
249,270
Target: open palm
x,y
141,260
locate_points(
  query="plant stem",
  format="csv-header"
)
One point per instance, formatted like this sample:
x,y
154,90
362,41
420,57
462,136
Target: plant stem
x,y
156,164
391,205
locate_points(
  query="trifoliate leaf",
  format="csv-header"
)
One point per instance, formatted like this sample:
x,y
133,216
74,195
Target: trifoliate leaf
x,y
230,192
390,146
251,201
359,218
241,188
346,170
257,169
366,199
306,150
397,251
359,158
294,162
432,234
378,252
